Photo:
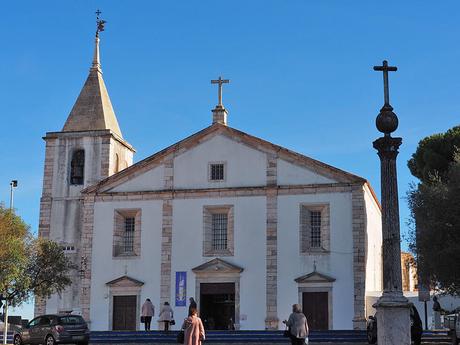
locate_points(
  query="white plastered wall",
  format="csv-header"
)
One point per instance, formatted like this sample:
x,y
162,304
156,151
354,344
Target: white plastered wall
x,y
337,264
374,243
244,166
105,268
249,237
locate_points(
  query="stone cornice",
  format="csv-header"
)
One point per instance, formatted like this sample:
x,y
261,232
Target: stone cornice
x,y
227,192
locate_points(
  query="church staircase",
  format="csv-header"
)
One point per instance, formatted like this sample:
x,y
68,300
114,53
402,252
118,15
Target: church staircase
x,y
244,337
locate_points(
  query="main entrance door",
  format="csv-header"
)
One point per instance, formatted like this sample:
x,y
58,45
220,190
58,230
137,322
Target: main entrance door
x,y
124,313
217,305
315,306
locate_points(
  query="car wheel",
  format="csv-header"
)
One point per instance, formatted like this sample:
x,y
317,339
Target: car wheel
x,y
371,339
17,340
50,340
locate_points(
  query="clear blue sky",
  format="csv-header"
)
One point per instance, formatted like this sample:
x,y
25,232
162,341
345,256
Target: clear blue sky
x,y
301,76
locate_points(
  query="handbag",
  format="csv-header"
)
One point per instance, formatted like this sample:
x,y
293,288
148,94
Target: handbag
x,y
172,322
180,337
287,332
142,319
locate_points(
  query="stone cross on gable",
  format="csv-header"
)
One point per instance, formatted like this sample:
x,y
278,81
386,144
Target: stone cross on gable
x,y
385,69
220,81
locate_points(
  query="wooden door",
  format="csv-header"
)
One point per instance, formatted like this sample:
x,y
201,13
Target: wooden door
x,y
315,306
124,313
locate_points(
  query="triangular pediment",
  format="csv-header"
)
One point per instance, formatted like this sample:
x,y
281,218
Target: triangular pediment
x,y
217,266
314,277
124,281
330,173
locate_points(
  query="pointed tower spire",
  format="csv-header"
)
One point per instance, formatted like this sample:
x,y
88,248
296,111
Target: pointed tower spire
x,y
93,109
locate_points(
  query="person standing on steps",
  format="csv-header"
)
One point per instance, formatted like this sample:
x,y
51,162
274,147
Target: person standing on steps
x,y
298,326
192,304
166,315
193,329
147,312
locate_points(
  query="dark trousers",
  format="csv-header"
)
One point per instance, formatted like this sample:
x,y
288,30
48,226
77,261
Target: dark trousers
x,y
297,341
147,321
166,325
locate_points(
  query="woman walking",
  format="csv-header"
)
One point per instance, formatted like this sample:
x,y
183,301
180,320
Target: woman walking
x,y
298,326
166,315
193,329
148,311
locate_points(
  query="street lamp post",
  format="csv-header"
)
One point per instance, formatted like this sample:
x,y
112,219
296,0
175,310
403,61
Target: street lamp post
x,y
392,307
13,185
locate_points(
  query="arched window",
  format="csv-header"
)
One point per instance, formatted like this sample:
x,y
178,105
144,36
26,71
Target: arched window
x,y
77,167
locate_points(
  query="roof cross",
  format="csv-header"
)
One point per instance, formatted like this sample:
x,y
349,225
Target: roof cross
x,y
99,22
385,69
220,81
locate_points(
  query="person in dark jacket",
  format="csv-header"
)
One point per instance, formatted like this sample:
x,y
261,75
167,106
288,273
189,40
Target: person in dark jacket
x,y
192,305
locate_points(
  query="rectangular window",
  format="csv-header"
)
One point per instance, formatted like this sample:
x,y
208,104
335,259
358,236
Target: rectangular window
x,y
314,232
315,226
217,172
128,239
219,231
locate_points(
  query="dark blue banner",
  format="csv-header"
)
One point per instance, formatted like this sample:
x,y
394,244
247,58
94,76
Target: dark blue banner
x,y
181,289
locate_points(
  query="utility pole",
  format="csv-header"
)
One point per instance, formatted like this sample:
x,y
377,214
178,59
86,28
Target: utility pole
x,y
13,185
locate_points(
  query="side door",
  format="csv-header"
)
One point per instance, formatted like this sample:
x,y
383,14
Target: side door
x,y
43,328
31,334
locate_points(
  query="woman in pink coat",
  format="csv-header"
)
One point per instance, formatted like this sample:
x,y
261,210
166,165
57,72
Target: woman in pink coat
x,y
193,329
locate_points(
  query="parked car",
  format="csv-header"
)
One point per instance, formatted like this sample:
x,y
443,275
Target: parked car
x,y
416,328
54,329
452,322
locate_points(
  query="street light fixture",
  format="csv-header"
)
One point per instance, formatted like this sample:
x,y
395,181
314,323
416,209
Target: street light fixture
x,y
13,185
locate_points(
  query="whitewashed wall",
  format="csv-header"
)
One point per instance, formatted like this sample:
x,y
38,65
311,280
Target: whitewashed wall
x,y
244,165
374,243
338,264
249,237
106,268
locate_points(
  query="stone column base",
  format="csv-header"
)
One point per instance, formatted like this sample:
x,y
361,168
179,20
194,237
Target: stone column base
x,y
359,323
393,320
271,323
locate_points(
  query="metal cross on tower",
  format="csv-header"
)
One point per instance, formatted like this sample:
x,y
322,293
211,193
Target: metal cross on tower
x,y
220,81
385,69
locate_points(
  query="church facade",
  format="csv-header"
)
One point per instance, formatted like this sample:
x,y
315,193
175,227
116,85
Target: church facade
x,y
245,227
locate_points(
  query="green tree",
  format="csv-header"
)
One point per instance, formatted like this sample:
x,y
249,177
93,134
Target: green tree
x,y
434,155
29,266
435,206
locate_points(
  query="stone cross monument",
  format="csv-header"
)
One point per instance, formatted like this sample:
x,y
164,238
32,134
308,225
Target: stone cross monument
x,y
219,113
392,307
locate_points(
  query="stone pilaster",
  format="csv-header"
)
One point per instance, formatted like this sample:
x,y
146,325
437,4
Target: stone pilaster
x,y
166,232
359,256
166,248
271,284
44,223
86,255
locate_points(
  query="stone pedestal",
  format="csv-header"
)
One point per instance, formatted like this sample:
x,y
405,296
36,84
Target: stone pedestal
x,y
393,320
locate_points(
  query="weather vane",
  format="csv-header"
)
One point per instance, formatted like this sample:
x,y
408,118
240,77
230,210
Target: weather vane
x,y
100,23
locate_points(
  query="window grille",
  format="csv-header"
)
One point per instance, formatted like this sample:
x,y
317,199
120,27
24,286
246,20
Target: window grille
x,y
129,235
219,230
217,172
77,167
315,226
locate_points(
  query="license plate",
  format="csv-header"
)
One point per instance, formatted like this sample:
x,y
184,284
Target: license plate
x,y
78,337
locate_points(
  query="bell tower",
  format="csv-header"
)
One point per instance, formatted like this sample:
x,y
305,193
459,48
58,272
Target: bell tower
x,y
89,148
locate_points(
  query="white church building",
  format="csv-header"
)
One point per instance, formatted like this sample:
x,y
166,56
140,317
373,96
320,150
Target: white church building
x,y
245,227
